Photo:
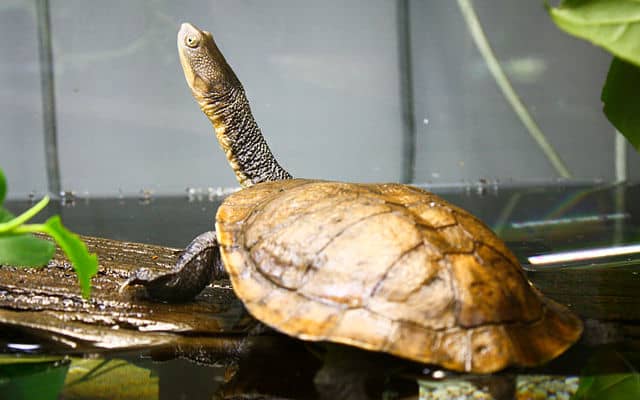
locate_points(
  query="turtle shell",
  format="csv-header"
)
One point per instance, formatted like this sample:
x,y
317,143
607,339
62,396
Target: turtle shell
x,y
386,267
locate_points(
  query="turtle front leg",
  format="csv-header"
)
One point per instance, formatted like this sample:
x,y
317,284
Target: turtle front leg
x,y
196,267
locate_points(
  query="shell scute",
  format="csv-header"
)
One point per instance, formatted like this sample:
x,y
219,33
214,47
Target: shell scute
x,y
402,194
414,342
490,348
360,327
350,268
457,239
239,205
432,214
482,234
291,205
386,267
490,293
311,316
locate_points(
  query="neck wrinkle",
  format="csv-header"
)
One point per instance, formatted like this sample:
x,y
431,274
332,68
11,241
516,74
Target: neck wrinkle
x,y
241,139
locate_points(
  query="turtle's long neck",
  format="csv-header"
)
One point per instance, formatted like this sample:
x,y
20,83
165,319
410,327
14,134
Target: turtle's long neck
x,y
241,138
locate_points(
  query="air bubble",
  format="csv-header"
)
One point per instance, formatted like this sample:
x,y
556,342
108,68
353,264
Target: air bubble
x,y
68,198
145,197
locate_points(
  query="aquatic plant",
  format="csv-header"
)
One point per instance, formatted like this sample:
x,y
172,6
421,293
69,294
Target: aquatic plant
x,y
615,26
19,247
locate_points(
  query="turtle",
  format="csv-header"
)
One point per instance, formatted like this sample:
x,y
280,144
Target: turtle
x,y
383,267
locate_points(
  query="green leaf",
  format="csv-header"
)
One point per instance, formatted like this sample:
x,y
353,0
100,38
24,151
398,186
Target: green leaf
x,y
25,250
611,24
85,263
621,100
610,387
608,375
3,186
5,215
33,380
93,379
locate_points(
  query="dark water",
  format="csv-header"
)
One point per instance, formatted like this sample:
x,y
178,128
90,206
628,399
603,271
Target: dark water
x,y
538,220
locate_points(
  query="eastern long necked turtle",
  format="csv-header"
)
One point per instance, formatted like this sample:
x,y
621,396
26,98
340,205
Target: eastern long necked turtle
x,y
384,267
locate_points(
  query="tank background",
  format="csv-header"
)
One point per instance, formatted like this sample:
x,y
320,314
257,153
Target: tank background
x,y
326,84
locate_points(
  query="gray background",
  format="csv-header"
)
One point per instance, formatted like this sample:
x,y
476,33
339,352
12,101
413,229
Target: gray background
x,y
359,90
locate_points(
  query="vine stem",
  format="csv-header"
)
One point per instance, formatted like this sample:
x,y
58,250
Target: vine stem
x,y
11,226
32,228
480,39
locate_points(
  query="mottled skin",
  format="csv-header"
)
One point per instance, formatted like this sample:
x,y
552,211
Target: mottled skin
x,y
383,267
221,97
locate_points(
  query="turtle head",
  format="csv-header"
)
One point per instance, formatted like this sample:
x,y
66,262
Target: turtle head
x,y
205,68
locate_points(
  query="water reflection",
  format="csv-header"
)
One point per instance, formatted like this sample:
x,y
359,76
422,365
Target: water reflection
x,y
276,367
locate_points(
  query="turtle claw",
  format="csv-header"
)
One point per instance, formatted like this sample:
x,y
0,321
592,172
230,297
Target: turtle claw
x,y
142,277
152,282
131,281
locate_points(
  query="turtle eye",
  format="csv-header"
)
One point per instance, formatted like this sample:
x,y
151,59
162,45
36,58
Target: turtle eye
x,y
192,41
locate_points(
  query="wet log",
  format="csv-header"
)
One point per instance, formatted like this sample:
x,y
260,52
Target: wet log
x,y
46,303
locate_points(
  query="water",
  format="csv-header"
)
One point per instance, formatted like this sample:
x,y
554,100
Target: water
x,y
533,220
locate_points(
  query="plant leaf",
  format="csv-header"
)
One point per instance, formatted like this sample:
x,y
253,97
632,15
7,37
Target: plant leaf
x,y
33,381
608,375
25,250
93,379
5,215
610,387
611,24
3,186
85,263
621,100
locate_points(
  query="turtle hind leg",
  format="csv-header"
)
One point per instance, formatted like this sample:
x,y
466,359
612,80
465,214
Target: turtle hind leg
x,y
196,267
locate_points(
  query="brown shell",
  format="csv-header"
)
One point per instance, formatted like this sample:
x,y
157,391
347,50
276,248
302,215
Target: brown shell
x,y
386,267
